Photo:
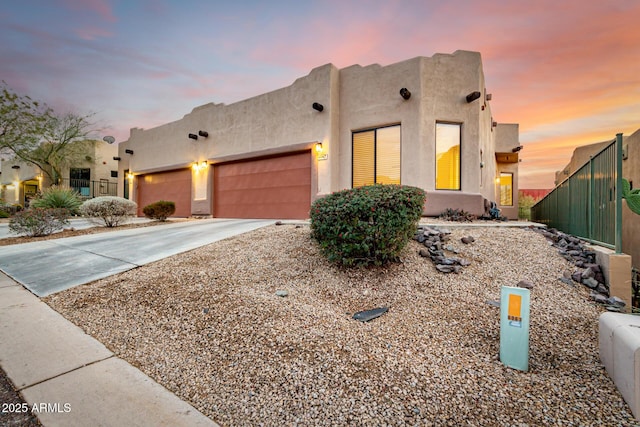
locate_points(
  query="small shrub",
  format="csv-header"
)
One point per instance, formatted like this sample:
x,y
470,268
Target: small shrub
x,y
159,210
58,197
37,222
366,225
457,215
4,214
110,211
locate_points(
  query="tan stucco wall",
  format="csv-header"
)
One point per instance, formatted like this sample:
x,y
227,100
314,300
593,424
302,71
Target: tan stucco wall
x,y
354,98
506,139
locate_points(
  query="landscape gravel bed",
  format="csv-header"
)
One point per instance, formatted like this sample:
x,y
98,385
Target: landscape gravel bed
x,y
209,326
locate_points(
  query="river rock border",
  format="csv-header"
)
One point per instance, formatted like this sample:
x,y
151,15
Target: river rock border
x,y
587,271
435,242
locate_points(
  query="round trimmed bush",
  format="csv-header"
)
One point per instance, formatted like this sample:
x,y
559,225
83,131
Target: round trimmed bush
x,y
110,211
366,225
159,210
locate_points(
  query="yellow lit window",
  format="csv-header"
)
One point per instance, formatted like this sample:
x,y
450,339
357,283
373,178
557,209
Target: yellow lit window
x,y
376,156
447,156
506,189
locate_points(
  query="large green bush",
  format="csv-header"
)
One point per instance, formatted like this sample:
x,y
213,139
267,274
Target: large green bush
x,y
159,210
110,211
366,225
36,222
58,197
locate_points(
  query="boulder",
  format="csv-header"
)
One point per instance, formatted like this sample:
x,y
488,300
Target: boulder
x,y
527,284
590,282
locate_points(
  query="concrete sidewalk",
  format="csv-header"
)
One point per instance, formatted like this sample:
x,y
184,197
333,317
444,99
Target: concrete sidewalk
x,y
73,379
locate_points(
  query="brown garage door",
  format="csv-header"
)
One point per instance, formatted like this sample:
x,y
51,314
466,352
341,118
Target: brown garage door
x,y
274,187
174,186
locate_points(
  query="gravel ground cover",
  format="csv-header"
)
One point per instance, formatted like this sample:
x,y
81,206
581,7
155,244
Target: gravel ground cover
x,y
208,325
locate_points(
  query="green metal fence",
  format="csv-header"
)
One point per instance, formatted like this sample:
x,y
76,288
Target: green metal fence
x,y
588,204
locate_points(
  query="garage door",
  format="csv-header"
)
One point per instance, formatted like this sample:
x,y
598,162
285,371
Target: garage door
x,y
174,186
274,187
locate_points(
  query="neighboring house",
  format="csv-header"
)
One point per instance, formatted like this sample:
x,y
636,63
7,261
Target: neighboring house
x,y
94,174
424,122
630,171
535,193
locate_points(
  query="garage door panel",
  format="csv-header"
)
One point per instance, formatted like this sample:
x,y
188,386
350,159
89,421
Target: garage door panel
x,y
266,180
172,186
277,187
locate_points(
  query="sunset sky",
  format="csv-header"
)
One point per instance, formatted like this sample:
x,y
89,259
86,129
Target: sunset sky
x,y
567,71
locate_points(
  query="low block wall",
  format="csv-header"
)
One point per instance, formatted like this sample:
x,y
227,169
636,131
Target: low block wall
x,y
617,272
619,343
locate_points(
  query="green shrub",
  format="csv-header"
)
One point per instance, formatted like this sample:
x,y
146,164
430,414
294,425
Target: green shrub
x,y
36,222
58,197
4,214
159,210
110,211
366,225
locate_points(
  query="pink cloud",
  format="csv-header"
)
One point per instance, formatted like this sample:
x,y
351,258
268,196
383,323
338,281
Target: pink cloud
x,y
101,7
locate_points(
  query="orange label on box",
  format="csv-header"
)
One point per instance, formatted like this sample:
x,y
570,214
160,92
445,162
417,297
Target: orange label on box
x,y
515,306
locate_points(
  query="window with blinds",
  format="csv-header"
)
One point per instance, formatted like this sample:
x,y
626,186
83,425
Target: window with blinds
x,y
506,189
376,156
448,156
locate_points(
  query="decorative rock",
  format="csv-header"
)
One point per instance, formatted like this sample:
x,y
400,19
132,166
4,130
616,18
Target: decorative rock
x,y
424,253
599,299
616,302
464,262
366,315
566,274
278,222
467,240
525,284
494,303
602,288
566,281
282,293
448,268
590,282
577,277
588,273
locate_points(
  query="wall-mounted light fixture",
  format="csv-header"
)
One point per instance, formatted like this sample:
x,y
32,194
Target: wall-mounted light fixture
x,y
203,133
193,136
128,151
405,94
129,176
318,107
198,166
473,96
116,158
516,149
494,124
488,97
15,167
319,147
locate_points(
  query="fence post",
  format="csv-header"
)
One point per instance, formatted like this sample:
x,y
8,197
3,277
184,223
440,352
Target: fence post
x,y
618,193
590,198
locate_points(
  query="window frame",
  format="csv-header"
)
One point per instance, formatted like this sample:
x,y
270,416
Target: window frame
x,y
435,169
511,185
375,150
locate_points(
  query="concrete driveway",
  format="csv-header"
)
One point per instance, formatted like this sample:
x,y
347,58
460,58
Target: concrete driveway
x,y
77,223
54,265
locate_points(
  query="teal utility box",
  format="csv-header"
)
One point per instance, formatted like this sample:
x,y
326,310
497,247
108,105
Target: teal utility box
x,y
514,327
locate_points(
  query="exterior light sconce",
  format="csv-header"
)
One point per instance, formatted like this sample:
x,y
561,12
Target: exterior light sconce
x,y
193,136
116,158
516,149
498,180
481,164
318,107
488,97
319,147
494,124
129,176
15,167
202,133
129,151
198,166
473,96
405,94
